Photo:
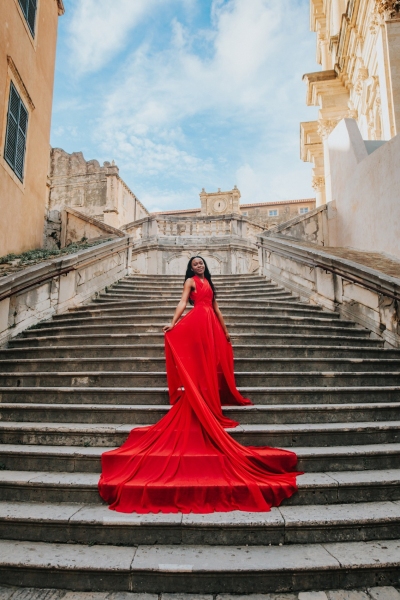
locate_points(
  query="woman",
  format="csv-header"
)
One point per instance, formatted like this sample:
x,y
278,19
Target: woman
x,y
187,462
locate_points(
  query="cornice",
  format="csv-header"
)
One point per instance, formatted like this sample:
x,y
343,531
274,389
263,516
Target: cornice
x,y
21,85
61,8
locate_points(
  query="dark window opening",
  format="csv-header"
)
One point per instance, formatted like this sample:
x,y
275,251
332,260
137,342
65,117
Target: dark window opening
x,y
29,8
17,126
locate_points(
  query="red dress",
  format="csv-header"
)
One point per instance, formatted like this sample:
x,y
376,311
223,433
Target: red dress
x,y
187,462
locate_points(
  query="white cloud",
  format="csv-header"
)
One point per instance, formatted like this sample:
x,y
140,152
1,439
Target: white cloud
x,y
98,29
241,76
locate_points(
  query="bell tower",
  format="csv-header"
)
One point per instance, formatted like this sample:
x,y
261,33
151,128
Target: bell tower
x,y
220,203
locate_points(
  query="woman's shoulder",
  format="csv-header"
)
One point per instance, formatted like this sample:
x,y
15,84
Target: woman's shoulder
x,y
189,281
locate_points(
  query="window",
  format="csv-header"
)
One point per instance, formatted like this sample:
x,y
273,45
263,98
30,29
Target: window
x,y
304,210
245,213
17,125
273,213
29,7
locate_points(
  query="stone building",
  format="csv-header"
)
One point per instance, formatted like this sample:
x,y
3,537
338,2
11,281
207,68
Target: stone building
x,y
28,35
358,48
266,214
93,190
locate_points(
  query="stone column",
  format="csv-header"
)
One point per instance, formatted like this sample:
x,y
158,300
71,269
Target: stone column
x,y
326,126
318,183
338,8
393,51
111,212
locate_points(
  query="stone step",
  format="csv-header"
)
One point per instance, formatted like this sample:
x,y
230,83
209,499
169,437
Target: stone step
x,y
159,379
287,435
200,569
95,524
141,310
257,352
113,297
172,278
151,290
338,487
255,365
234,328
116,293
256,414
178,285
229,319
350,338
85,459
164,303
123,396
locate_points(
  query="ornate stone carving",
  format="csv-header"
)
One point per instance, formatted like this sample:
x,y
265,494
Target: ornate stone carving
x,y
388,8
318,183
362,75
325,126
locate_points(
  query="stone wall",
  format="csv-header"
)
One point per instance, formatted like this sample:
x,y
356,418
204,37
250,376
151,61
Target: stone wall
x,y
365,191
286,210
55,286
94,190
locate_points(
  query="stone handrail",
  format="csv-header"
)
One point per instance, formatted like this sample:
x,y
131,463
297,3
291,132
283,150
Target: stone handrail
x,y
159,226
360,293
54,286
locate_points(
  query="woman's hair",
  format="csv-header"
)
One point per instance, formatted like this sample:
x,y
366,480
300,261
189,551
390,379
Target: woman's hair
x,y
207,274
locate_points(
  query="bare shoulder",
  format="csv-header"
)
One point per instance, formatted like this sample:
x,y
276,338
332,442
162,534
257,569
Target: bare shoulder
x,y
189,285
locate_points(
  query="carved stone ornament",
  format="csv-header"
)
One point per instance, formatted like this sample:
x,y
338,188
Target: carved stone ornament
x,y
388,8
326,126
318,183
362,75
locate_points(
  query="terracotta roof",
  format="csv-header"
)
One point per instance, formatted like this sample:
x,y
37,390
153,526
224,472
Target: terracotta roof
x,y
197,210
173,212
301,201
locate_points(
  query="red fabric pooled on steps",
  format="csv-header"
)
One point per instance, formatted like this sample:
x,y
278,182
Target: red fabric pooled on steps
x,y
187,462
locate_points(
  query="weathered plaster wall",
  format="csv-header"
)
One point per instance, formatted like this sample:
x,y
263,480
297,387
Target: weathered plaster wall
x,y
365,191
29,63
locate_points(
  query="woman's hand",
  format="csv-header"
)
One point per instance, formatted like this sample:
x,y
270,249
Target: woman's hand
x,y
228,337
168,328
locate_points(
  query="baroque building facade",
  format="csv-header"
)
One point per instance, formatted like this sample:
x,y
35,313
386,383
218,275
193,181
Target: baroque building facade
x,y
358,48
28,35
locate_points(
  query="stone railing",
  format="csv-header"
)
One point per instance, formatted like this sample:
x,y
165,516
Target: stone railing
x,y
162,244
159,226
52,287
358,292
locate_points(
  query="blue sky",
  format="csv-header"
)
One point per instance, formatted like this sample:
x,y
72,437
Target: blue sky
x,y
186,94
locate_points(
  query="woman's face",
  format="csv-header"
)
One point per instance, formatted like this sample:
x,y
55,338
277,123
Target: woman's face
x,y
198,266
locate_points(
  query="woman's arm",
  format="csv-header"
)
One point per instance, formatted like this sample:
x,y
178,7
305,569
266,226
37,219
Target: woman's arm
x,y
221,319
187,288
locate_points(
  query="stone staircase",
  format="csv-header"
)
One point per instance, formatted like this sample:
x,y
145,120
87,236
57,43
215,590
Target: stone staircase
x,y
74,387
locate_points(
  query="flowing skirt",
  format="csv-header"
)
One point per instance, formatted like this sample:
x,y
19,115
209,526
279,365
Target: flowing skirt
x,y
187,462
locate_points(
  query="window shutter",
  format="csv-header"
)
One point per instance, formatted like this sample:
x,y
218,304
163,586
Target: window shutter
x,y
31,15
17,125
29,9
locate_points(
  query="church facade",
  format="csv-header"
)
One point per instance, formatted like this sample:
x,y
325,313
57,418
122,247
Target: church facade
x,y
358,48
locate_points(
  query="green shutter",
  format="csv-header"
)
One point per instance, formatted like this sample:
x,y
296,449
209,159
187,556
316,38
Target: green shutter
x,y
17,126
29,9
